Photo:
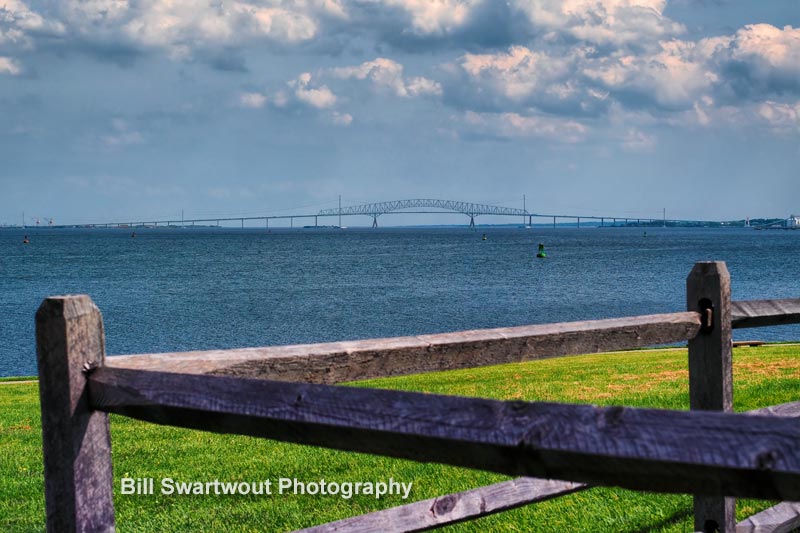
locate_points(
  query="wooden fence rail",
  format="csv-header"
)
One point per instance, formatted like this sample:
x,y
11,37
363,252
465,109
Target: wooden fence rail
x,y
284,393
647,449
338,362
483,501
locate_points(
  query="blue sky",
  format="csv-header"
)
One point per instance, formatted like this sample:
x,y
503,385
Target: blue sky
x,y
118,109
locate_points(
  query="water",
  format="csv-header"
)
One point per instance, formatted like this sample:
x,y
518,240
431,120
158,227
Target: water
x,y
174,290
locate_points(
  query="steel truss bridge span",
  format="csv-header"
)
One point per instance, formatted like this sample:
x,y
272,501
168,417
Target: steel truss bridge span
x,y
419,205
466,208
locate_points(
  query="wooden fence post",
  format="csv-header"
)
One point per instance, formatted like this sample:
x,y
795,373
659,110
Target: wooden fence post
x,y
76,440
708,291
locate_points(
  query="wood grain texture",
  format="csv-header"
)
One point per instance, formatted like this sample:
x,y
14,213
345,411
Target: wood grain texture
x,y
785,516
643,449
356,360
760,313
452,508
710,353
782,518
472,504
708,288
76,439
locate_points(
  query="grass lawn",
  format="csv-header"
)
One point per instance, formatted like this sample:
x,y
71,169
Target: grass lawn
x,y
763,376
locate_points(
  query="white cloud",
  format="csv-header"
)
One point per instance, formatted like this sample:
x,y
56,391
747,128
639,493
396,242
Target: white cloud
x,y
768,48
98,12
9,66
18,22
674,77
521,78
122,135
781,117
756,62
579,58
615,22
182,27
518,73
252,100
341,119
764,117
282,24
320,97
636,140
759,62
700,109
388,74
421,86
432,17
515,125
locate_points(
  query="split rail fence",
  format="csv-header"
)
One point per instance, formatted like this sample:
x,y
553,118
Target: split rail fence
x,y
287,394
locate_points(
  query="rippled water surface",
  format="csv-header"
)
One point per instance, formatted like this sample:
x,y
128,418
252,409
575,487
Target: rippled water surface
x,y
171,289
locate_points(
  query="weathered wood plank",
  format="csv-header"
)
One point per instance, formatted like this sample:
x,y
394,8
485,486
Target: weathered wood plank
x,y
452,508
790,409
708,292
472,504
760,313
355,360
710,354
76,441
782,518
643,449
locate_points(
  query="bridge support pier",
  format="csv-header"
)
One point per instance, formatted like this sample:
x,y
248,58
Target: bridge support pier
x,y
579,222
554,222
471,222
374,221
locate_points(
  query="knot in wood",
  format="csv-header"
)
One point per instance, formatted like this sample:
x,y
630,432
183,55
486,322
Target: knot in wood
x,y
444,505
766,460
610,417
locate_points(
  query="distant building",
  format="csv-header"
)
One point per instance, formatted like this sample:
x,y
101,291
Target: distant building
x,y
793,222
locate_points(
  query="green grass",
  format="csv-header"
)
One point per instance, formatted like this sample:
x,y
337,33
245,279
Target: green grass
x,y
763,376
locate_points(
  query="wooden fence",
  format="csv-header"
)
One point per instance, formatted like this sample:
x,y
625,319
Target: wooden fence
x,y
286,393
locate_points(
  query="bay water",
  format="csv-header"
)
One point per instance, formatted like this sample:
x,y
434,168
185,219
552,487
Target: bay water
x,y
195,289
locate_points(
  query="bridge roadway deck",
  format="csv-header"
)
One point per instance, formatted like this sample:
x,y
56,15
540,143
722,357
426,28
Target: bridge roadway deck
x,y
414,206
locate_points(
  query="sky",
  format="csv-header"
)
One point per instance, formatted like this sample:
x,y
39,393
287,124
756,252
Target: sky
x,y
140,109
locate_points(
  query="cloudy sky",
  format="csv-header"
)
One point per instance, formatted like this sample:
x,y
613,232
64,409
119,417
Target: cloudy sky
x,y
141,108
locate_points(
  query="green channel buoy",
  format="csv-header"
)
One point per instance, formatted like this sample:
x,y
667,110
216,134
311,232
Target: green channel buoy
x,y
541,253
484,237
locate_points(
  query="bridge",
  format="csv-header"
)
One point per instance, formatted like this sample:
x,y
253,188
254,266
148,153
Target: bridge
x,y
418,205
381,208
